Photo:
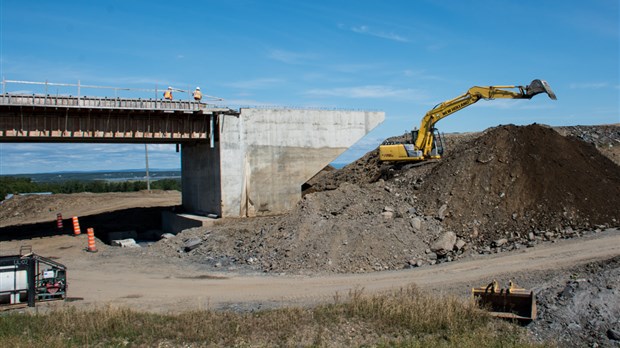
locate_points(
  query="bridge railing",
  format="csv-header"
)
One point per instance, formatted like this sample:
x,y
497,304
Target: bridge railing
x,y
102,102
44,98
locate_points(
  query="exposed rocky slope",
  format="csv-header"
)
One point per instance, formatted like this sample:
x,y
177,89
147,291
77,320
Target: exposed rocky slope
x,y
581,307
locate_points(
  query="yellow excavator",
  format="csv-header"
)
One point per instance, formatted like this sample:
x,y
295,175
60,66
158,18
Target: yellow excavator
x,y
426,142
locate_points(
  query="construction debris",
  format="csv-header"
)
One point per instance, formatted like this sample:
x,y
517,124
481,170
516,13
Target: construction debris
x,y
125,243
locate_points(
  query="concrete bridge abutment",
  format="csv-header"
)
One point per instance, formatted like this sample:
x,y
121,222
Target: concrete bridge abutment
x,y
257,162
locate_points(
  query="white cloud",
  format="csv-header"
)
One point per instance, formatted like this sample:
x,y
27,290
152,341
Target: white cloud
x,y
421,75
256,83
521,104
162,147
589,85
290,57
436,46
372,91
22,91
366,30
237,103
36,158
353,68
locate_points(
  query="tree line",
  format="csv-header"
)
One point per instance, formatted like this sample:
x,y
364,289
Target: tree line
x,y
17,185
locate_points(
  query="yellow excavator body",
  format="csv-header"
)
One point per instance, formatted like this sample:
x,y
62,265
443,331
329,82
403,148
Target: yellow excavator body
x,y
397,152
512,303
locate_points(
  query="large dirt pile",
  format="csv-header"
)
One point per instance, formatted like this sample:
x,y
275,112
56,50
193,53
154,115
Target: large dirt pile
x,y
523,179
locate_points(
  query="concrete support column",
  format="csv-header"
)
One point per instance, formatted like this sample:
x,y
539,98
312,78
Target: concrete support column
x,y
201,178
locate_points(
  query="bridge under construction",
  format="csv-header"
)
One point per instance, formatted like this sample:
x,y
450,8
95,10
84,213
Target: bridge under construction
x,y
49,118
234,163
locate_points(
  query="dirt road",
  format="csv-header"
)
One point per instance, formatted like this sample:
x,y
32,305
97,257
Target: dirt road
x,y
129,277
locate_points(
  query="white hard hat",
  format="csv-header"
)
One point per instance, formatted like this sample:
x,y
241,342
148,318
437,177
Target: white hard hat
x,y
198,88
169,87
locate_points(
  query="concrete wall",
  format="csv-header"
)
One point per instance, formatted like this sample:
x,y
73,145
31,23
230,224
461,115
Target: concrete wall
x,y
267,154
263,156
201,180
234,170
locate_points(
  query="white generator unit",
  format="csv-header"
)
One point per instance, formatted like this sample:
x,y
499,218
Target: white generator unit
x,y
27,278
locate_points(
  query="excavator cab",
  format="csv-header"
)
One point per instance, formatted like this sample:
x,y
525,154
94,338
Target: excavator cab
x,y
407,151
513,303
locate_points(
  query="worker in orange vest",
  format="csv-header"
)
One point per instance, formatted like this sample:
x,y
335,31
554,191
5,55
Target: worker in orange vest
x,y
197,94
168,94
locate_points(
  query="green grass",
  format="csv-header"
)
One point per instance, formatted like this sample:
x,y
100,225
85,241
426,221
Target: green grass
x,y
405,318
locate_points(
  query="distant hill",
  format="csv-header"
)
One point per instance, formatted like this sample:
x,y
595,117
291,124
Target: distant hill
x,y
116,175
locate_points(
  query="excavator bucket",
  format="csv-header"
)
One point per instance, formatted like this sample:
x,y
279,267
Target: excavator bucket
x,y
537,87
512,303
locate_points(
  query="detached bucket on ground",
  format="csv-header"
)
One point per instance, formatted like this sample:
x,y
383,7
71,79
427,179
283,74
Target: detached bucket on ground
x,y
512,303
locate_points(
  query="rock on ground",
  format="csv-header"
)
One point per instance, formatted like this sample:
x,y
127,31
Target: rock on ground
x,y
581,307
444,244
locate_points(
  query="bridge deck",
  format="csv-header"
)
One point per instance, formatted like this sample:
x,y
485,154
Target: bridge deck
x,y
49,118
104,103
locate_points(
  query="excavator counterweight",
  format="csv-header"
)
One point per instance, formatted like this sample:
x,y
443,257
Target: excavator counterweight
x,y
424,143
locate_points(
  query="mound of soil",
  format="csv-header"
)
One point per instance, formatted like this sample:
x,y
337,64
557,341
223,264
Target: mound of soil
x,y
516,180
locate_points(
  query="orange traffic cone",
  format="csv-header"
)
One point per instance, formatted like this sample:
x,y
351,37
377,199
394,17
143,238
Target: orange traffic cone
x,y
59,221
76,226
91,240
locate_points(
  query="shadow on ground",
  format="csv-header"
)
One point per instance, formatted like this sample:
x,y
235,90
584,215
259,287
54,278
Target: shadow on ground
x,y
140,220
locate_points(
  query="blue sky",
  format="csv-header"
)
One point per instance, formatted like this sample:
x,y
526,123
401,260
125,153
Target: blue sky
x,y
401,57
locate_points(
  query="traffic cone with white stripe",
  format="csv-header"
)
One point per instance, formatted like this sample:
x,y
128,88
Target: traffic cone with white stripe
x,y
91,240
59,222
76,227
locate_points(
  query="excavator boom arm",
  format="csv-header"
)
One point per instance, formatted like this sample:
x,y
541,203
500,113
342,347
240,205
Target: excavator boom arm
x,y
424,141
